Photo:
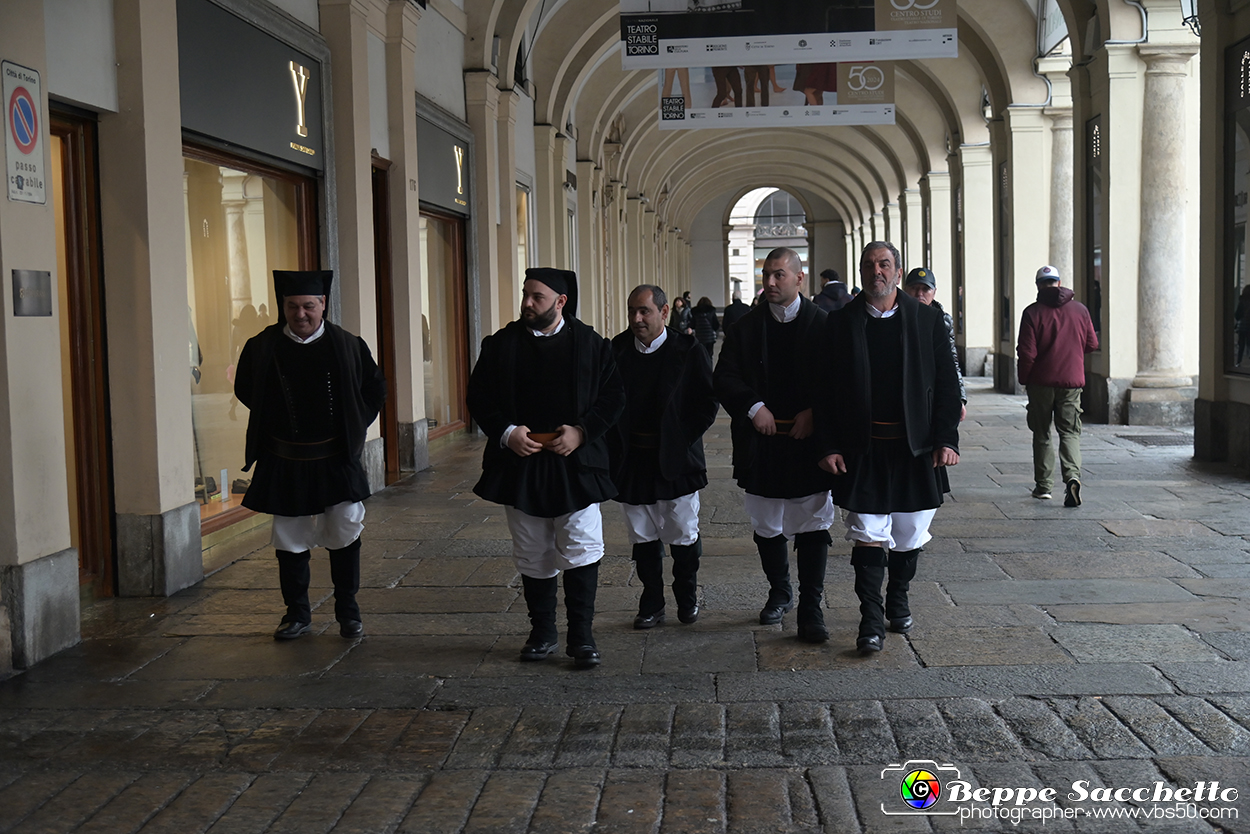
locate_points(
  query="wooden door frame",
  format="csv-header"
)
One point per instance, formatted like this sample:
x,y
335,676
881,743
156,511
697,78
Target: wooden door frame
x,y
389,416
459,290
97,555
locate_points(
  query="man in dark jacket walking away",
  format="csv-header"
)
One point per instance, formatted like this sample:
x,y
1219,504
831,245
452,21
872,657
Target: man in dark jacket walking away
x,y
889,422
313,389
762,381
657,451
833,294
734,312
546,392
1055,334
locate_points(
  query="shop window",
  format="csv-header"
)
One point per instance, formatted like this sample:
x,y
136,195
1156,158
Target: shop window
x,y
1093,219
1237,187
243,222
522,232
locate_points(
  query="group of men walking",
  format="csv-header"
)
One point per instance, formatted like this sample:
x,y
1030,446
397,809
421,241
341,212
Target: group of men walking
x,y
572,420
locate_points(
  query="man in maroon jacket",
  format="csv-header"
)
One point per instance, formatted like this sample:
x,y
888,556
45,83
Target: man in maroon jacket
x,y
1055,334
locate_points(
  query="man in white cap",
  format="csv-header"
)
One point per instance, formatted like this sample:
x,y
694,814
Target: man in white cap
x,y
312,389
1055,334
546,391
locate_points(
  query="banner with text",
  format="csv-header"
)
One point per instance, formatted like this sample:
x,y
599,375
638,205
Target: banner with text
x,y
789,95
658,34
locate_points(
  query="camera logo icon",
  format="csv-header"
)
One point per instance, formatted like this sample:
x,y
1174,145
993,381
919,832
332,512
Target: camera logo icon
x,y
920,785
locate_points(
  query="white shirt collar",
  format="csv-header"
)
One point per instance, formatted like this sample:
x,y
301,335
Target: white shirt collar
x,y
541,334
877,314
655,345
786,314
286,328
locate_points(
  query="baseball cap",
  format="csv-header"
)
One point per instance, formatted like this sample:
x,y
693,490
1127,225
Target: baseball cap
x,y
1047,273
921,275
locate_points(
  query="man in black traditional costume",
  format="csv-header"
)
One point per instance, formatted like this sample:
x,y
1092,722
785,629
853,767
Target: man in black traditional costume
x,y
312,389
546,391
657,451
763,379
888,416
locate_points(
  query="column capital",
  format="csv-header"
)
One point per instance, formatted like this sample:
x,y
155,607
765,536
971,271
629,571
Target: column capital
x,y
1167,58
402,18
481,88
1060,117
509,102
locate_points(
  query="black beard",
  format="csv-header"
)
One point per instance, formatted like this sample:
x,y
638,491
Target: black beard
x,y
539,321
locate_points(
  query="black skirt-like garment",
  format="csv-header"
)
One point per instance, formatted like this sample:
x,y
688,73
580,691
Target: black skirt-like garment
x,y
281,486
641,482
887,478
546,485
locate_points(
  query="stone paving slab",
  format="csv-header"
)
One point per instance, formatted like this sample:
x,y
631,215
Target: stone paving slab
x,y
1106,643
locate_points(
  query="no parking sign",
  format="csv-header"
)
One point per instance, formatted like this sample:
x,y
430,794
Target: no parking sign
x,y
23,134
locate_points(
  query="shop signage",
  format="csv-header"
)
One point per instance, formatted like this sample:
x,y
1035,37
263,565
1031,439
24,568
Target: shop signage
x,y
443,168
32,292
23,134
244,86
814,95
680,33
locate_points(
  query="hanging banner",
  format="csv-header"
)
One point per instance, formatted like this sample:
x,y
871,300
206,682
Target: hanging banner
x,y
23,134
657,34
777,96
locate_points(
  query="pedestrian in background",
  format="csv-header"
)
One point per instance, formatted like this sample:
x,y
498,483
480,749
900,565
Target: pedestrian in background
x,y
1055,334
706,324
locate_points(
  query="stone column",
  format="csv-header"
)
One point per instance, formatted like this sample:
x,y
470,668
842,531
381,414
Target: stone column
x,y
407,280
941,233
560,209
590,271
481,98
1061,191
234,200
508,272
1162,394
894,226
979,264
548,198
911,242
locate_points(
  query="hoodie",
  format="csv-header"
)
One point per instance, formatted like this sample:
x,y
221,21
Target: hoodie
x,y
1055,334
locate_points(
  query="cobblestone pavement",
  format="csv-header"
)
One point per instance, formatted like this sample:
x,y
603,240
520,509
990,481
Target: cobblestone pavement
x,y
1107,646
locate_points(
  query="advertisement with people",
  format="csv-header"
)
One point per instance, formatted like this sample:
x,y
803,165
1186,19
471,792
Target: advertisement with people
x,y
769,95
659,34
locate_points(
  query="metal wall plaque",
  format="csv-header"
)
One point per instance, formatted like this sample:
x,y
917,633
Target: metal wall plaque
x,y
32,292
443,167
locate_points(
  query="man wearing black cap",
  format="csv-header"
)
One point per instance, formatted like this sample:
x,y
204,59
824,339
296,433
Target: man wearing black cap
x,y
312,389
889,422
921,285
546,391
761,381
657,451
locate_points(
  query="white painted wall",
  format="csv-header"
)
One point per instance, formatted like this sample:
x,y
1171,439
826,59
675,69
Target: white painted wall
x,y
526,165
707,255
305,11
379,130
440,62
82,64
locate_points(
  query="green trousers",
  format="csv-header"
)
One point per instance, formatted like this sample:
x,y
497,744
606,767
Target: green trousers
x,y
1063,407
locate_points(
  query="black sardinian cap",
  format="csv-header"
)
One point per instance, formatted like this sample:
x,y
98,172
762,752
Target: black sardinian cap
x,y
563,281
301,282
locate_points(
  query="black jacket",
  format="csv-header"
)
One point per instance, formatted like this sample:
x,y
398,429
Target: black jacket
x,y
741,379
689,407
705,324
734,313
930,381
492,397
360,374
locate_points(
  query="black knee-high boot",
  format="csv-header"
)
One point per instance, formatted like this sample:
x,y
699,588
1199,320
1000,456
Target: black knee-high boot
x,y
686,579
869,563
902,569
293,579
580,585
649,562
540,600
775,560
345,574
812,554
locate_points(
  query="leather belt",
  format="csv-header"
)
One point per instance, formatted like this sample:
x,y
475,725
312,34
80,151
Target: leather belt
x,y
784,426
320,450
543,437
888,431
644,440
